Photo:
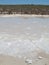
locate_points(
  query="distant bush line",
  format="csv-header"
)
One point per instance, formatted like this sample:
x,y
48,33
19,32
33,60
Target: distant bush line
x,y
24,9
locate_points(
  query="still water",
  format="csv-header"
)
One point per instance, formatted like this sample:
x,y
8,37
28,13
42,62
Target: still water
x,y
22,35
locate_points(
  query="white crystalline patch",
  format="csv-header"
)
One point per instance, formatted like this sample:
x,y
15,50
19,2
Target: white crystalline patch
x,y
20,40
34,34
41,39
28,28
34,41
28,61
43,43
27,33
9,44
22,46
17,50
18,45
40,57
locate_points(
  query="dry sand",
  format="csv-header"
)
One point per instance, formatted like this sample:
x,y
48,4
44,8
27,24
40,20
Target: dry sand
x,y
42,59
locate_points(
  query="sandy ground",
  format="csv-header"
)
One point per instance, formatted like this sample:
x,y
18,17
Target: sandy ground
x,y
41,59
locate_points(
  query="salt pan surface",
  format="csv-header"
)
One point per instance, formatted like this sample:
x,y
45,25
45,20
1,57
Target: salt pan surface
x,y
19,39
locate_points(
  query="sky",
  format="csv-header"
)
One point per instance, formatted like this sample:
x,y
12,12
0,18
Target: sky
x,y
44,2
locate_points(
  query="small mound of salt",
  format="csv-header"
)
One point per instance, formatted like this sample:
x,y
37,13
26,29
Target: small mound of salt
x,y
29,61
39,57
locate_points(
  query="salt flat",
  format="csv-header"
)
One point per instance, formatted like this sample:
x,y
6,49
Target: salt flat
x,y
24,39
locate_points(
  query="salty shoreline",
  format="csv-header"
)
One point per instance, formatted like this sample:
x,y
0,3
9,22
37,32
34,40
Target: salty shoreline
x,y
23,15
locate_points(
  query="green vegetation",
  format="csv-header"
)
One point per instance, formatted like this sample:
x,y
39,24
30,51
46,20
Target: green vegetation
x,y
24,9
24,6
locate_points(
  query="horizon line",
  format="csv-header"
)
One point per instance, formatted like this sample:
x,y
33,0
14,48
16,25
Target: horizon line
x,y
24,4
